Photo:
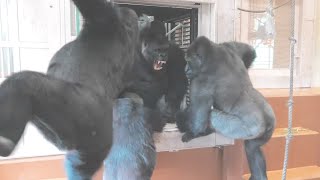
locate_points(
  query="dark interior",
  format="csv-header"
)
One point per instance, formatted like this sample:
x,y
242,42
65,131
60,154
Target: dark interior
x,y
173,16
160,13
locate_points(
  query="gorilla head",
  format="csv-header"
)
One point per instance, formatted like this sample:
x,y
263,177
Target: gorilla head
x,y
199,51
155,44
196,55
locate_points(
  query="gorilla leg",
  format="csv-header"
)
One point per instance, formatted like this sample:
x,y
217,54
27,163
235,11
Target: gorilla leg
x,y
197,118
255,157
82,165
247,127
15,111
257,131
70,115
155,119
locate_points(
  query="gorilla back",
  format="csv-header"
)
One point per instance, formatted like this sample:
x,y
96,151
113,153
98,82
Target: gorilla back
x,y
72,103
133,154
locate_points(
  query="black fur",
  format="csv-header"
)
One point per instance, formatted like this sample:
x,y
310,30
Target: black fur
x,y
169,81
245,51
133,154
72,103
224,100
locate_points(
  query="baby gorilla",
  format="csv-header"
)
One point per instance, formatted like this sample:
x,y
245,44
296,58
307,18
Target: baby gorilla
x,y
133,154
224,100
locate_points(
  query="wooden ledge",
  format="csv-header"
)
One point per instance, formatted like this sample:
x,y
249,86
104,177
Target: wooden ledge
x,y
296,131
285,92
170,140
301,173
31,159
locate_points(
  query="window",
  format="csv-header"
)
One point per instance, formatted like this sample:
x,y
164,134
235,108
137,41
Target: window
x,y
6,62
29,36
271,68
6,52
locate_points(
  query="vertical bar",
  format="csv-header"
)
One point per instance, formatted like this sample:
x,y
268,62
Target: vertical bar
x,y
290,101
1,63
78,28
192,27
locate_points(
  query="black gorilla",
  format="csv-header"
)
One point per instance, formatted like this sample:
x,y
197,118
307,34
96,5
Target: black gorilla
x,y
72,103
133,154
224,100
159,71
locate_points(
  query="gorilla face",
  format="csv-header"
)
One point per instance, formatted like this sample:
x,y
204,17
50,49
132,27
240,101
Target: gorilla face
x,y
155,45
195,56
193,65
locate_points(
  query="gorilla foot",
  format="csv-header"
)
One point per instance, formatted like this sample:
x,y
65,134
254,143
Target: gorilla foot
x,y
181,121
188,136
6,146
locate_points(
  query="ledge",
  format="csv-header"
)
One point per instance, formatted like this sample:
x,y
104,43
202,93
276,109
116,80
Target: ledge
x,y
307,172
296,131
170,140
268,93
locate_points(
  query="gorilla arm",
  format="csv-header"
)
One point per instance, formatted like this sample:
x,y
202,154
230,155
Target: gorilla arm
x,y
198,113
177,81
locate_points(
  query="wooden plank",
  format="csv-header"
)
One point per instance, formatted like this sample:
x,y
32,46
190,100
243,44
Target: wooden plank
x,y
301,173
296,131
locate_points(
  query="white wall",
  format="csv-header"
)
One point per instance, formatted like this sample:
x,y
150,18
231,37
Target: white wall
x,y
316,60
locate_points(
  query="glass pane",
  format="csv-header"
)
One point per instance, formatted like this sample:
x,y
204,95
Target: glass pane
x,y
33,19
76,20
273,52
4,26
6,62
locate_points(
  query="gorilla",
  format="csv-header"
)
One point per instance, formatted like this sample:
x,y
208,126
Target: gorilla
x,y
158,71
133,154
72,103
224,100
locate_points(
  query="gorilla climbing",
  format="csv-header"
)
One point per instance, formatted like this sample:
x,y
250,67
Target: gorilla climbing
x,y
72,103
158,71
224,100
133,154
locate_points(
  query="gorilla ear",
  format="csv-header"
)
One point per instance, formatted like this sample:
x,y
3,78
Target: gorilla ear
x,y
195,62
198,61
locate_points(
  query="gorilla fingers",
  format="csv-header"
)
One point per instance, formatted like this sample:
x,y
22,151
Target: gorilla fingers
x,y
133,154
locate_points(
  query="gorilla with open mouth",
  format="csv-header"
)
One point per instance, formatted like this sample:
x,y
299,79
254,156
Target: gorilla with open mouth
x,y
158,71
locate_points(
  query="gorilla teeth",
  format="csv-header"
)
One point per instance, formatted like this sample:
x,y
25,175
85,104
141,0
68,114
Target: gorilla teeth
x,y
158,65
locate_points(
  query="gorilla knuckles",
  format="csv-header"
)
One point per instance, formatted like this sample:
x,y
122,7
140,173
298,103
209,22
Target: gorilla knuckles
x,y
224,100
